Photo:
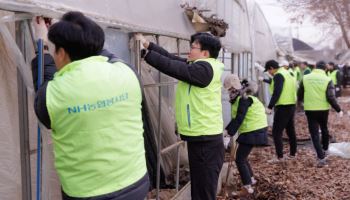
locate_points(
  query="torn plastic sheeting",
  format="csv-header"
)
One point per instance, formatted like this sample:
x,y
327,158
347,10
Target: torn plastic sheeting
x,y
341,149
18,56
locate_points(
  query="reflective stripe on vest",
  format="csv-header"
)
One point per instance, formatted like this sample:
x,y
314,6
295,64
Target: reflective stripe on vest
x,y
315,87
289,90
255,118
199,110
95,112
333,76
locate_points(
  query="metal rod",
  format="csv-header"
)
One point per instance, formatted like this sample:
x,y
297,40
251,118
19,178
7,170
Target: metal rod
x,y
23,120
38,161
232,62
177,146
159,131
160,84
168,148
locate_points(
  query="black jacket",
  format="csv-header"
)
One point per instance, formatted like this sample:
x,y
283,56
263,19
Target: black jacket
x,y
256,137
278,80
198,74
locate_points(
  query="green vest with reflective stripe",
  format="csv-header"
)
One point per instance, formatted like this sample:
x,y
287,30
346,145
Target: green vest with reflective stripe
x,y
315,87
199,110
289,90
333,76
96,120
255,118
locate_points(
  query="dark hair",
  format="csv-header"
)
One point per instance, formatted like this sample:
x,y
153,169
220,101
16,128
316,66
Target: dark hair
x,y
271,64
305,63
331,63
78,35
321,65
207,42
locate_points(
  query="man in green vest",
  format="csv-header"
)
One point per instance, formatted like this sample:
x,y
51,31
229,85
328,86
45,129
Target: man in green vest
x,y
283,100
249,119
296,70
305,69
198,106
94,110
335,76
317,92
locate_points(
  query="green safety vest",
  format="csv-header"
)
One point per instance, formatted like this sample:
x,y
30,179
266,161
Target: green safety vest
x,y
333,76
289,90
95,112
298,73
255,118
199,110
315,87
294,73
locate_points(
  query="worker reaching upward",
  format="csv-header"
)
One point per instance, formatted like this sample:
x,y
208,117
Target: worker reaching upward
x,y
197,105
94,110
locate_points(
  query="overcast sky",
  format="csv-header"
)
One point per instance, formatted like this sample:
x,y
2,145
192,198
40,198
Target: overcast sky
x,y
278,18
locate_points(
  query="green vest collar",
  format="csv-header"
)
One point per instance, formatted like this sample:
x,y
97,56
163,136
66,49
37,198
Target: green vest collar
x,y
75,64
318,71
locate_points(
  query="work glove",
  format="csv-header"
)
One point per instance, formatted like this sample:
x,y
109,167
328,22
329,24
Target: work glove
x,y
142,39
340,114
268,111
40,29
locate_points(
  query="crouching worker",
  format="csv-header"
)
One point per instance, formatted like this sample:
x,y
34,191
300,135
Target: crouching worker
x,y
249,118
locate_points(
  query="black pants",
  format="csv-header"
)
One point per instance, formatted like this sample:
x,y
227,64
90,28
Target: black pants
x,y
315,120
284,119
243,166
205,159
136,191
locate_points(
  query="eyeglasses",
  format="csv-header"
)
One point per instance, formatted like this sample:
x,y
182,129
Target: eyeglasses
x,y
192,47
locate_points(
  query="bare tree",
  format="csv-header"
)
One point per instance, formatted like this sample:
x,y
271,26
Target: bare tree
x,y
334,13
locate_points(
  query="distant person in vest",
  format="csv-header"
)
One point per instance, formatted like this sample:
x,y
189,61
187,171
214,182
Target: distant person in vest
x,y
197,105
296,69
305,69
317,92
283,100
249,119
335,75
94,110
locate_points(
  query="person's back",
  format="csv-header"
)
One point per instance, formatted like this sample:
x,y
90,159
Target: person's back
x,y
96,144
94,110
315,86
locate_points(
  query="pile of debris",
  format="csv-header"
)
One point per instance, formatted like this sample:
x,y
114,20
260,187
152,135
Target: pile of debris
x,y
299,178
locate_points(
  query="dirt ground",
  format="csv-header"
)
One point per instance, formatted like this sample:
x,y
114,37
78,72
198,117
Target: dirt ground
x,y
296,179
300,178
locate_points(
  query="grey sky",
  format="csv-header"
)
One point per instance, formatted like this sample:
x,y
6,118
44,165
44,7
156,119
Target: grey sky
x,y
278,18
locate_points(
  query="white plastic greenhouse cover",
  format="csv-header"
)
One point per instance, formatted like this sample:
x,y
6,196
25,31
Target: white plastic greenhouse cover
x,y
248,32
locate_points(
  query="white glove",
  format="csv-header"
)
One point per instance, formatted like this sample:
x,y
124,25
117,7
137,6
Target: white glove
x,y
260,78
268,111
340,114
40,28
142,39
